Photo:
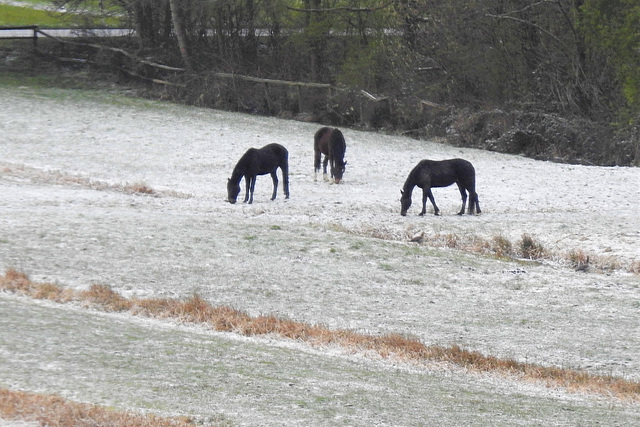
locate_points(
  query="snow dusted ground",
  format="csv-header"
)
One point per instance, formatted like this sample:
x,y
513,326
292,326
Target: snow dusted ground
x,y
332,254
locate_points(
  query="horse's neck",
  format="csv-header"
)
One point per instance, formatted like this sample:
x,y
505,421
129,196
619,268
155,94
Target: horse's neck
x,y
408,186
237,174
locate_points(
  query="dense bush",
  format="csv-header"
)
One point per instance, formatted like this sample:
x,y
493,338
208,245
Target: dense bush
x,y
564,71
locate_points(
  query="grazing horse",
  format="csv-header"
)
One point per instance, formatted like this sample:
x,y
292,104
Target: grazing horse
x,y
428,174
330,142
259,162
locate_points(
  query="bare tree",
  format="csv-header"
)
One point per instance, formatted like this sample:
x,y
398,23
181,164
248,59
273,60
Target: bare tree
x,y
177,18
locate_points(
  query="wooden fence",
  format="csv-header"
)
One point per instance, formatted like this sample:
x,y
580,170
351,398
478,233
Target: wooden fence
x,y
175,77
20,32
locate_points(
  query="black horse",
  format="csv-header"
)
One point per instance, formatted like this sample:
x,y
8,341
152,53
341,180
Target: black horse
x,y
428,174
330,142
259,162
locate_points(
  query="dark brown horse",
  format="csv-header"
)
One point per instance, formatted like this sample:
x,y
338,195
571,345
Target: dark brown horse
x,y
259,162
330,142
428,174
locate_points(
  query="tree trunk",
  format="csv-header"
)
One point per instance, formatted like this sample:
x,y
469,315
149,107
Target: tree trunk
x,y
178,26
314,60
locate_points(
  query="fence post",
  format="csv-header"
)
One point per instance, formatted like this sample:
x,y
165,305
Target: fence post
x,y
35,37
266,96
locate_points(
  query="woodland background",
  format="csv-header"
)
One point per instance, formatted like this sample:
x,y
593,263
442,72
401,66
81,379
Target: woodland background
x,y
551,79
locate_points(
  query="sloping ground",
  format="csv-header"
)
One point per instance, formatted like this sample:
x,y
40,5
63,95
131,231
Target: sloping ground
x,y
336,255
164,368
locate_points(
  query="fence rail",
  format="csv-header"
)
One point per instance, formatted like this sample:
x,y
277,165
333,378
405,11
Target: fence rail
x,y
168,76
20,32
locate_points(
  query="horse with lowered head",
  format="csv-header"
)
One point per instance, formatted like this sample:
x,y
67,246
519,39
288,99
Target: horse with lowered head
x,y
259,162
330,142
429,174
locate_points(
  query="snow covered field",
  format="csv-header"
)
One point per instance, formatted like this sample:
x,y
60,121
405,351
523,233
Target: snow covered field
x,y
332,254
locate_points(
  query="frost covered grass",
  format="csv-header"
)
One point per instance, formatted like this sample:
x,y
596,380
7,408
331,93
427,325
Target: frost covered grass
x,y
333,264
391,346
62,178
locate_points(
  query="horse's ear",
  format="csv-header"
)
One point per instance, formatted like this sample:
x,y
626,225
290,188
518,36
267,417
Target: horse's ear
x,y
402,192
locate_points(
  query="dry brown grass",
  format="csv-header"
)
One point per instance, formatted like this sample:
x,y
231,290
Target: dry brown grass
x,y
528,248
391,346
138,188
54,411
531,249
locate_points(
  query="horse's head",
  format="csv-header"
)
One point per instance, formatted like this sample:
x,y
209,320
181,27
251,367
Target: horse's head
x,y
337,171
405,202
233,189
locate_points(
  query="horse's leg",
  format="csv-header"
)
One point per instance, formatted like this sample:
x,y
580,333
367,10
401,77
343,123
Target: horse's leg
x,y
428,194
424,202
247,181
274,177
324,168
463,194
316,163
474,203
252,187
285,179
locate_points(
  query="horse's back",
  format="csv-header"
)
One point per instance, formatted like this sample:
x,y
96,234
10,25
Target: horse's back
x,y
442,173
321,140
464,170
270,157
276,149
321,132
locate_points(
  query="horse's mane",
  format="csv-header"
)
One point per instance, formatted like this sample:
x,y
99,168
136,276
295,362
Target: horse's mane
x,y
411,180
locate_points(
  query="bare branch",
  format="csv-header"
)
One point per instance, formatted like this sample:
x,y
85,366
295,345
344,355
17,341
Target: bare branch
x,y
341,8
513,18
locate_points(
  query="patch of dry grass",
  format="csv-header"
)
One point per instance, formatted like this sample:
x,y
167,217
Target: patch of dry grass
x,y
531,249
526,248
391,346
54,411
70,180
